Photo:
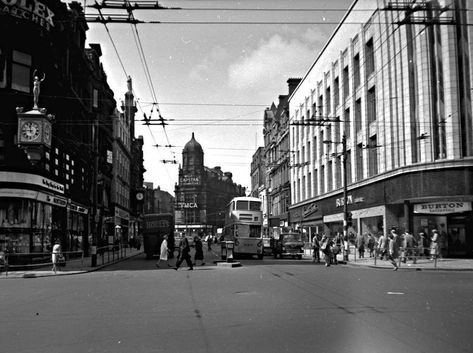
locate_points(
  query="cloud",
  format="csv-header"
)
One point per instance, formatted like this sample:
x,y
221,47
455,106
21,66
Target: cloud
x,y
275,58
206,68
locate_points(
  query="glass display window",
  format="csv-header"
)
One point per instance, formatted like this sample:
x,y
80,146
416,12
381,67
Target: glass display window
x,y
15,213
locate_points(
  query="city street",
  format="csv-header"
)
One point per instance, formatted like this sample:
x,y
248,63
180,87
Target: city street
x,y
263,306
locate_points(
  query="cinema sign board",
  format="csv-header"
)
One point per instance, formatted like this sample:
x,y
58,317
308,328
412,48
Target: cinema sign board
x,y
29,10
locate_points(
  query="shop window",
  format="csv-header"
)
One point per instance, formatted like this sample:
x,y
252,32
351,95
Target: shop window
x,y
14,213
21,71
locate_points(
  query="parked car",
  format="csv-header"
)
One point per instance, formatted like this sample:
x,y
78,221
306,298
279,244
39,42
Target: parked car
x,y
288,244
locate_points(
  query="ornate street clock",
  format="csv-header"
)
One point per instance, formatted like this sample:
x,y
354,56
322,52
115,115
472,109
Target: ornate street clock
x,y
34,128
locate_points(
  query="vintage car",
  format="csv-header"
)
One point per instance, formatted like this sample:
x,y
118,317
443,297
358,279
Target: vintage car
x,y
288,244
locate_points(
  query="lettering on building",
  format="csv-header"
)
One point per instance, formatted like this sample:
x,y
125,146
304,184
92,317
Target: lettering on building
x,y
181,205
30,10
189,180
442,207
52,185
309,209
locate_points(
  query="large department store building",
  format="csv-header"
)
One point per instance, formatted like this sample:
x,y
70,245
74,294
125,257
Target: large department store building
x,y
394,84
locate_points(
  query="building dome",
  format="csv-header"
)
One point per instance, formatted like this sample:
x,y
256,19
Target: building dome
x,y
192,146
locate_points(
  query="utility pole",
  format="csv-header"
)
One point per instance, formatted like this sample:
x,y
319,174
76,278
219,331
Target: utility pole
x,y
345,195
95,194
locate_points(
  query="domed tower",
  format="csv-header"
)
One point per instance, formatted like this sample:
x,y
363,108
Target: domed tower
x,y
192,157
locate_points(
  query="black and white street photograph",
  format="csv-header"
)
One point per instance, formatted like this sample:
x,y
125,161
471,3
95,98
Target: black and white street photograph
x,y
236,176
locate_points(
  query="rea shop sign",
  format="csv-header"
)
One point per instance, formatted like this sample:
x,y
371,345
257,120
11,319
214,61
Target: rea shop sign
x,y
442,207
30,10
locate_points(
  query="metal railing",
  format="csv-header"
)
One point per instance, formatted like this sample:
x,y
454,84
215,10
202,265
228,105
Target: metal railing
x,y
35,261
111,253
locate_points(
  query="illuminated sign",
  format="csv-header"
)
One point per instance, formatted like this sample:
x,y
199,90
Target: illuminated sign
x,y
30,10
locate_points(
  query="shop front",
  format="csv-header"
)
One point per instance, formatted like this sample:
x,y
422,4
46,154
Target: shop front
x,y
31,221
454,221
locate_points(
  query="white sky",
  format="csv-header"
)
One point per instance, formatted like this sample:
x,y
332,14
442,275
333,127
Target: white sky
x,y
195,68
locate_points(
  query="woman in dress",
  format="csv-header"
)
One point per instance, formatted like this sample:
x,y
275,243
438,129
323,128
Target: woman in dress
x,y
164,251
56,255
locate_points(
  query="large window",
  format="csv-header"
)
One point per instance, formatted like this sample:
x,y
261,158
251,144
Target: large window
x,y
369,55
21,67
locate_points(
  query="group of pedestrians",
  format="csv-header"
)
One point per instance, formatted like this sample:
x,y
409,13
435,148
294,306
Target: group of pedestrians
x,y
184,253
330,248
387,246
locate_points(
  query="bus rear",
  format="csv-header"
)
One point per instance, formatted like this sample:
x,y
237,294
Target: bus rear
x,y
243,226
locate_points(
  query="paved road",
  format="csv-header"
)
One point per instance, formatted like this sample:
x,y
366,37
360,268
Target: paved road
x,y
263,306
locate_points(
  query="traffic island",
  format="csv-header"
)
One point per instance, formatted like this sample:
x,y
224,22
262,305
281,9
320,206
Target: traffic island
x,y
228,264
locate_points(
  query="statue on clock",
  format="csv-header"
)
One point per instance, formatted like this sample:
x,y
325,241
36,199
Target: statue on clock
x,y
36,88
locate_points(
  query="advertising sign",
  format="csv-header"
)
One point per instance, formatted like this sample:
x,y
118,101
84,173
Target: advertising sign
x,y
445,207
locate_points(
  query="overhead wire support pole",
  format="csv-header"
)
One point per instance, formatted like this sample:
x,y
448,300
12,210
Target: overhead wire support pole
x,y
345,196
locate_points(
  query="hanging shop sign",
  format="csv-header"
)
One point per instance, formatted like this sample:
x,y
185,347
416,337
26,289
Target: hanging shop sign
x,y
442,207
29,10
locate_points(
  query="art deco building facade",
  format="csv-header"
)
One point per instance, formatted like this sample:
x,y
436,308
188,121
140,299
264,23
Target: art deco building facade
x,y
396,83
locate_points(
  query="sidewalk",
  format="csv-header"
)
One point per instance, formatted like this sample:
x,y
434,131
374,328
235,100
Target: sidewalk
x,y
422,264
73,266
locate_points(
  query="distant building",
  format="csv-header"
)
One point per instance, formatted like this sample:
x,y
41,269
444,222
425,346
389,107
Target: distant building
x,y
277,156
202,193
157,200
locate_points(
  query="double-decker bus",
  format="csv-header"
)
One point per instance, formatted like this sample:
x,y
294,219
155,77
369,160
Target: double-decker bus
x,y
156,225
243,226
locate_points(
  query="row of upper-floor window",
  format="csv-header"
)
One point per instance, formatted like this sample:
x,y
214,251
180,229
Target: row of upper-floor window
x,y
16,71
329,176
323,102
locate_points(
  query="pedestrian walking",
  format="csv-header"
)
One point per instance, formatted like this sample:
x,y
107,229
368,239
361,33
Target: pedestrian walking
x,y
421,244
184,253
360,245
383,243
371,244
326,246
199,251
164,252
316,249
434,244
56,255
393,250
409,246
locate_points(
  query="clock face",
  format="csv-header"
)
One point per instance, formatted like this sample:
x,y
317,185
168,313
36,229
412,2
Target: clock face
x,y
139,196
30,131
47,134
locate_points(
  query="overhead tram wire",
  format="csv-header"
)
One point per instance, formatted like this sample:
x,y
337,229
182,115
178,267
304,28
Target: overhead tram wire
x,y
141,52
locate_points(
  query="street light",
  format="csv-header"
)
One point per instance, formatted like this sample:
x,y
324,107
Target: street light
x,y
345,192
